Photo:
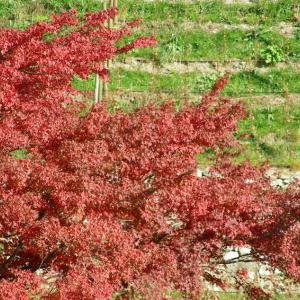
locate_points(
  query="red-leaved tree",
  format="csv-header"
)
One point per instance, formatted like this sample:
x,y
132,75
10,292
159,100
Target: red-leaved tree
x,y
108,204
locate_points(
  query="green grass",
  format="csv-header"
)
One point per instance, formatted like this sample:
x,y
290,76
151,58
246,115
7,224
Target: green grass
x,y
254,82
21,13
215,11
19,153
272,134
232,296
175,44
264,11
237,296
241,83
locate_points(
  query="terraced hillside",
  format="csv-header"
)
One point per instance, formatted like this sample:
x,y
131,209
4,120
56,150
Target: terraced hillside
x,y
258,42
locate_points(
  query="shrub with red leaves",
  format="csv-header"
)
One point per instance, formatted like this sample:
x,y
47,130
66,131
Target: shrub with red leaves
x,y
107,204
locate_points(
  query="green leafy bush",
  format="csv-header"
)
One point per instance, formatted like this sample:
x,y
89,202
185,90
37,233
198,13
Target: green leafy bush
x,y
271,55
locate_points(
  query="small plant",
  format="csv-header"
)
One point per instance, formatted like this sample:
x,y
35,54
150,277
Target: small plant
x,y
257,34
271,55
172,47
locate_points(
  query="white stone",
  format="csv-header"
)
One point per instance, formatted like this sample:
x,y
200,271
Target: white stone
x,y
249,180
39,272
244,250
277,272
277,182
296,175
230,255
264,271
216,288
199,173
251,275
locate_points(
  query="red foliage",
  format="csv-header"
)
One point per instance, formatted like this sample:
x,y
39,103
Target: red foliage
x,y
36,69
109,203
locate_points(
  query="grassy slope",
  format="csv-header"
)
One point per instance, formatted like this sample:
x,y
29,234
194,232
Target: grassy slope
x,y
178,43
273,131
214,10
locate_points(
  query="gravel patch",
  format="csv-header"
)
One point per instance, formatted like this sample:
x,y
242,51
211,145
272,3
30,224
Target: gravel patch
x,y
280,178
132,96
287,29
206,67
